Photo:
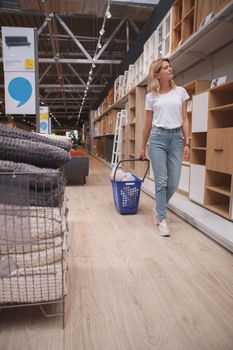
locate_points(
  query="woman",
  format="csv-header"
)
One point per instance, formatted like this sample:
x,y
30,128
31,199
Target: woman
x,y
166,118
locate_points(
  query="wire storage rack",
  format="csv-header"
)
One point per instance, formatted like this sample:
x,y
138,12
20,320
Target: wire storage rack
x,y
33,241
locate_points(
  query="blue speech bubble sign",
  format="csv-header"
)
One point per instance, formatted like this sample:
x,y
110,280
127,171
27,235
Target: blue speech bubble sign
x,y
20,89
43,125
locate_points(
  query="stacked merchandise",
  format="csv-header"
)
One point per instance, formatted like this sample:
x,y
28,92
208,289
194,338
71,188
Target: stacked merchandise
x,y
33,218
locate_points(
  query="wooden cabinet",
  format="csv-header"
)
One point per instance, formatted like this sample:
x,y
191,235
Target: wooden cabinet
x,y
211,168
220,150
219,157
197,110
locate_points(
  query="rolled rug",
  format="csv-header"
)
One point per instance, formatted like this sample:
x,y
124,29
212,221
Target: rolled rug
x,y
27,135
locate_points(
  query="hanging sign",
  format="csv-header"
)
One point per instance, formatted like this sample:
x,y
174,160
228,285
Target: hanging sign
x,y
19,93
18,49
44,120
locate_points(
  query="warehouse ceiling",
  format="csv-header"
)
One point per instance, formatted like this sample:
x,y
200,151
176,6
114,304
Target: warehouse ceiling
x,y
68,34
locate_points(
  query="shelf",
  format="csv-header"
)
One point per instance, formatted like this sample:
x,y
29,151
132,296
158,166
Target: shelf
x,y
104,135
221,209
220,189
228,107
178,26
120,104
197,157
223,87
199,148
198,141
189,13
185,162
215,35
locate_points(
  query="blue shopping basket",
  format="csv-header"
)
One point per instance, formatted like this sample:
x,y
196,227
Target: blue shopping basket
x,y
127,193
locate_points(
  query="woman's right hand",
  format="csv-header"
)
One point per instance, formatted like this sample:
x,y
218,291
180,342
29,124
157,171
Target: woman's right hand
x,y
142,154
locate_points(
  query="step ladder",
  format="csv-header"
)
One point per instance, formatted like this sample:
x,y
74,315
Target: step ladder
x,y
116,150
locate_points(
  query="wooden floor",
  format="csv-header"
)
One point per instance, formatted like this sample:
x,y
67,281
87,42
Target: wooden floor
x,y
129,288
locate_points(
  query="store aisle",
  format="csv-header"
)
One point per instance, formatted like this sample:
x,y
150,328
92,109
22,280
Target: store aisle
x,y
129,288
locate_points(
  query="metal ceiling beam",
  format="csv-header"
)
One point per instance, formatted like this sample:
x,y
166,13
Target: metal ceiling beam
x,y
136,29
77,60
73,90
45,72
135,2
76,74
42,27
62,107
71,86
64,37
77,42
74,60
116,55
67,99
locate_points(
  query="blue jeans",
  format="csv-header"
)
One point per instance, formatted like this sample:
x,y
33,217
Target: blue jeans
x,y
165,152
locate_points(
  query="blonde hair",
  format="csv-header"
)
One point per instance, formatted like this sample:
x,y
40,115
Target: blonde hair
x,y
153,82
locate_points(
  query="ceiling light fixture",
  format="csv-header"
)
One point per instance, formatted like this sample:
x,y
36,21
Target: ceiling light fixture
x,y
102,31
108,13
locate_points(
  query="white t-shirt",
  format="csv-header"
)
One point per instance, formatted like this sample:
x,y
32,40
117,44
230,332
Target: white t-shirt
x,y
167,107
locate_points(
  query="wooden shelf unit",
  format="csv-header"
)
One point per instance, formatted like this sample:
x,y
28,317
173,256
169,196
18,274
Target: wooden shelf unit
x,y
198,143
183,21
198,156
195,87
219,159
104,129
132,132
130,137
188,17
204,8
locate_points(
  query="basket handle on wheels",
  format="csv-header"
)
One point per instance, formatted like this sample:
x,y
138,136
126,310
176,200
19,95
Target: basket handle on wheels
x,y
133,160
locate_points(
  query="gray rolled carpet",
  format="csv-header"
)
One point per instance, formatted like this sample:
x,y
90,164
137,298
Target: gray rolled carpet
x,y
7,131
35,153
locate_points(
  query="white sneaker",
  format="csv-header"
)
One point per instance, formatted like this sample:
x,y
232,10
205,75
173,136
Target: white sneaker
x,y
163,228
155,217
